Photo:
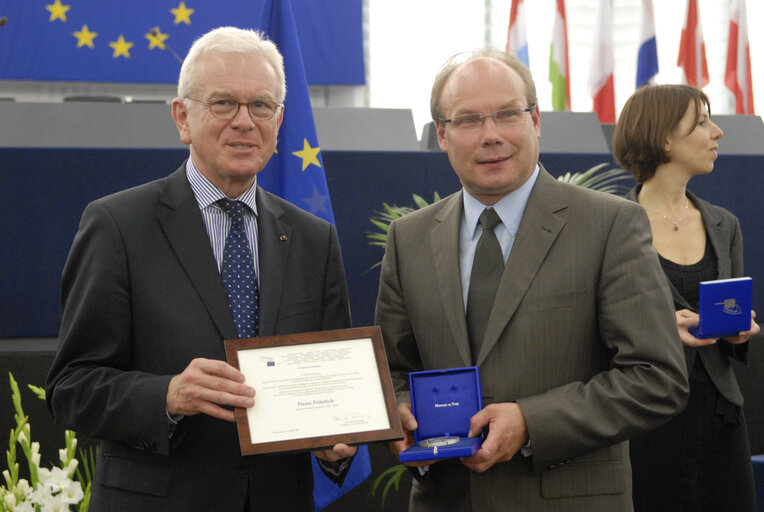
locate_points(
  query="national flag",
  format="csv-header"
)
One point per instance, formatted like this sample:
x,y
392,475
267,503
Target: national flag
x,y
517,36
647,58
296,173
559,72
602,64
692,49
738,75
136,41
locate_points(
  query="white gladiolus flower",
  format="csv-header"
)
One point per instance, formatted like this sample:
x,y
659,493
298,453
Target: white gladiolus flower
x,y
41,495
72,467
52,489
72,493
43,474
56,479
24,506
36,454
10,501
23,487
54,504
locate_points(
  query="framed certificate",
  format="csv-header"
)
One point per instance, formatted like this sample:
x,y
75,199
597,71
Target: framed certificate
x,y
314,390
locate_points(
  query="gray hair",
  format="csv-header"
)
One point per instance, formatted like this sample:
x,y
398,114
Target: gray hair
x,y
461,59
231,40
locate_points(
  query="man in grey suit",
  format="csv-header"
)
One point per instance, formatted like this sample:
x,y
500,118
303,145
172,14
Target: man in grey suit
x,y
580,349
141,363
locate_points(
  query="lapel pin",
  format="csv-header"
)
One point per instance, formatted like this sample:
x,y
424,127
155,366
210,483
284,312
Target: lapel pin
x,y
283,238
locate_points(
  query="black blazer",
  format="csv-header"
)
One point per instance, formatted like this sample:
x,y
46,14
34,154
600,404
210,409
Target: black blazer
x,y
141,297
726,238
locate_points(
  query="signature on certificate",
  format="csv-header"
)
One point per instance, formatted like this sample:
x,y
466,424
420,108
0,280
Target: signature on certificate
x,y
353,418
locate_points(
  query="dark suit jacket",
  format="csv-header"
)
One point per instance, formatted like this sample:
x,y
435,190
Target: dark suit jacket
x,y
724,233
582,336
142,296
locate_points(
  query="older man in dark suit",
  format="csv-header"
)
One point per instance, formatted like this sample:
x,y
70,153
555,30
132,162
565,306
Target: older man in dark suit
x,y
559,299
141,364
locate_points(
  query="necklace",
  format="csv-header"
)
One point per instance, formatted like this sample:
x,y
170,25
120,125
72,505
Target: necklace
x,y
675,222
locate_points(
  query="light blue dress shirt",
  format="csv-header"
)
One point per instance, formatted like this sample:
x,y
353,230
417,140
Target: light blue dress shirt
x,y
217,221
510,209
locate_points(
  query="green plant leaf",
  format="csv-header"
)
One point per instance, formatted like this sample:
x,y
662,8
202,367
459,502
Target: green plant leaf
x,y
392,477
610,181
390,212
37,390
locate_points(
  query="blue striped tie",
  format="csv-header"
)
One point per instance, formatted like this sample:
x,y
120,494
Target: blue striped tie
x,y
238,272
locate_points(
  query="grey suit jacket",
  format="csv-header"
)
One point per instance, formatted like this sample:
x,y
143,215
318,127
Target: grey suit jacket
x,y
141,297
726,239
582,336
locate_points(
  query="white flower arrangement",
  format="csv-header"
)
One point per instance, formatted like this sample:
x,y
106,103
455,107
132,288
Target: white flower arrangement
x,y
57,489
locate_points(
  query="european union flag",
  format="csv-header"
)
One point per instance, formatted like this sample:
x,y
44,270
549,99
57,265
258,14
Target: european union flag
x,y
137,41
296,173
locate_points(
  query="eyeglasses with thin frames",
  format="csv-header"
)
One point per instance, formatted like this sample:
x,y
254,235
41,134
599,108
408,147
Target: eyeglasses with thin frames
x,y
472,122
228,108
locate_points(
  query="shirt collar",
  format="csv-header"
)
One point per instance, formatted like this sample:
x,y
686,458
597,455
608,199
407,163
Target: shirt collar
x,y
207,194
510,208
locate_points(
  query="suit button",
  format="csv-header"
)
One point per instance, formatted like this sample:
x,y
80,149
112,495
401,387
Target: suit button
x,y
241,467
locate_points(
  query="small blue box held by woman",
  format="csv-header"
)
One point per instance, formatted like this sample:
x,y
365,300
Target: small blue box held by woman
x,y
724,308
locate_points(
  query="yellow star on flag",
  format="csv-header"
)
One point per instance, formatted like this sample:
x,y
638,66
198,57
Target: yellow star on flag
x,y
85,37
121,47
156,38
182,14
308,154
57,11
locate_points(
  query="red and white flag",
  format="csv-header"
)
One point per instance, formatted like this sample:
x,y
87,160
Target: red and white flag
x,y
692,49
601,65
738,75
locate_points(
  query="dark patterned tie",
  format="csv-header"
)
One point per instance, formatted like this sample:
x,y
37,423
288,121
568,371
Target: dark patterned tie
x,y
238,272
487,268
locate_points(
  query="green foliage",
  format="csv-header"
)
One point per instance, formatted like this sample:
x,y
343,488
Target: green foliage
x,y
393,474
46,489
610,181
389,213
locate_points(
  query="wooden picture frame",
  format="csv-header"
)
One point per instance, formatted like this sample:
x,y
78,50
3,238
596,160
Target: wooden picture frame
x,y
315,390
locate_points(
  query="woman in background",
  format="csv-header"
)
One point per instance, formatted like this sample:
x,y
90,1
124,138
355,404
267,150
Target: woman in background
x,y
700,460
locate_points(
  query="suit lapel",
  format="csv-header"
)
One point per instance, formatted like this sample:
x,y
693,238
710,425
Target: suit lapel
x,y
274,241
184,227
538,230
719,234
444,243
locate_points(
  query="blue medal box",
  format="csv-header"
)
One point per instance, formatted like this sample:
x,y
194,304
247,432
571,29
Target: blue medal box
x,y
725,307
443,401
